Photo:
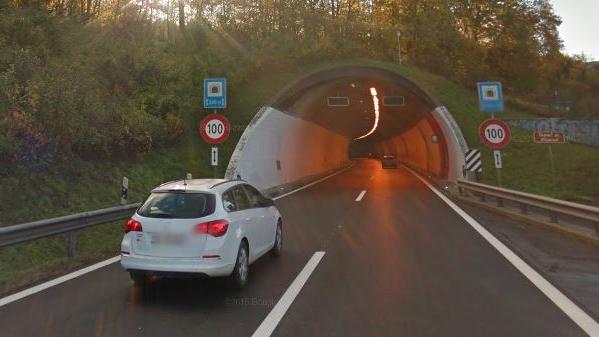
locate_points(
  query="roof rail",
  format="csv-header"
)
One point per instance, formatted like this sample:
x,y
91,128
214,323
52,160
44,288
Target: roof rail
x,y
170,182
225,182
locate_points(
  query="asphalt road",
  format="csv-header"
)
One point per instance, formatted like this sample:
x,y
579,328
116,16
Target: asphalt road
x,y
399,262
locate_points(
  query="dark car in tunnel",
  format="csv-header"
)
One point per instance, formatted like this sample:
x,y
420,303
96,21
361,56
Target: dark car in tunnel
x,y
389,161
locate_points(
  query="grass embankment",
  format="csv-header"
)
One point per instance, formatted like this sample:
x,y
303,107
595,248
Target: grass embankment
x,y
83,185
79,185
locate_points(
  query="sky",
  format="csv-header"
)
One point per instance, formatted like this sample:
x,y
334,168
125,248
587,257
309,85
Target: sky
x,y
580,26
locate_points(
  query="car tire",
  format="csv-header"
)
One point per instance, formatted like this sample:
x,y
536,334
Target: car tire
x,y
277,249
139,279
240,273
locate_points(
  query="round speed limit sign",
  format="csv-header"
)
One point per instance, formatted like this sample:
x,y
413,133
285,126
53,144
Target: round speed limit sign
x,y
494,133
215,129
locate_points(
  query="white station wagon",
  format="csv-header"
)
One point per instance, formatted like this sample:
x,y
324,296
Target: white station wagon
x,y
211,227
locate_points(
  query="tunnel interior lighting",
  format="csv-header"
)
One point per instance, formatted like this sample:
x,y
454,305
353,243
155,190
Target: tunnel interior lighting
x,y
375,102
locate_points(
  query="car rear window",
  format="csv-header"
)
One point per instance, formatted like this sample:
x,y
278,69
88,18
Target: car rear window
x,y
177,205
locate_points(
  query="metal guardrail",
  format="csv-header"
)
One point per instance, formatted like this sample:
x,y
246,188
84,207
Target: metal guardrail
x,y
555,210
66,224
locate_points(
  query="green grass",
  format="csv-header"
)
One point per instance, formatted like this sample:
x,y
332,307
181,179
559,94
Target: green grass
x,y
79,185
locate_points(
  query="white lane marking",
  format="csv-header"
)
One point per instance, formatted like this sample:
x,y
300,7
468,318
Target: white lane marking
x,y
315,182
579,316
361,195
40,287
276,314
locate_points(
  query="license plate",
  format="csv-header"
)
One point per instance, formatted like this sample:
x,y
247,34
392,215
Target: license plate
x,y
167,239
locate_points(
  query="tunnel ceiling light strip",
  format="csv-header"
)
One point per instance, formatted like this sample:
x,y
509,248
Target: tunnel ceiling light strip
x,y
375,101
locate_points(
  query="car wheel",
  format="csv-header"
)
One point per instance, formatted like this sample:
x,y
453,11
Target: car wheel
x,y
277,249
139,279
241,270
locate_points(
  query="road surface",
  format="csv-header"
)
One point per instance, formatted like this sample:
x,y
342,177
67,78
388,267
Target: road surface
x,y
398,262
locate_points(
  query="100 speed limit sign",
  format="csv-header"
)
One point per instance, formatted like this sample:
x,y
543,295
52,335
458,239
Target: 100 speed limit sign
x,y
494,134
215,129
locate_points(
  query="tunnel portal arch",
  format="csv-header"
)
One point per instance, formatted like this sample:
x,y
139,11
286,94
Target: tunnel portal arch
x,y
297,135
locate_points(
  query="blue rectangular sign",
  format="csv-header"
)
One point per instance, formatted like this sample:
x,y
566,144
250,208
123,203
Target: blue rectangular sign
x,y
215,93
490,96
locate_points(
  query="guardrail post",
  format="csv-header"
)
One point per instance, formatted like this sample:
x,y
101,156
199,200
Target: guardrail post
x,y
499,202
72,242
483,197
596,228
523,208
553,217
460,190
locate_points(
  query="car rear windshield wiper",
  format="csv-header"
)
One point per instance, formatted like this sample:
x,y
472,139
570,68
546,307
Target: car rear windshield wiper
x,y
160,215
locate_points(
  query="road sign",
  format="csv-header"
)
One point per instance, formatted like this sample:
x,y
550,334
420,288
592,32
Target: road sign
x,y
215,93
490,96
338,101
394,101
215,129
494,133
214,156
497,157
541,137
473,161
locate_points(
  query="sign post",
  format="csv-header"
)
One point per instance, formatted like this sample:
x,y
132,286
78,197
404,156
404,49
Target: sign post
x,y
215,128
541,137
124,191
496,135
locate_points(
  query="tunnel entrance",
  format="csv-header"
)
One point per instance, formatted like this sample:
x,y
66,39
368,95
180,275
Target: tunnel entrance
x,y
317,123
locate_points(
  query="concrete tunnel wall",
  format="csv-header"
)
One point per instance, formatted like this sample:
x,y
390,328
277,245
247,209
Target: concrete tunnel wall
x,y
449,144
278,148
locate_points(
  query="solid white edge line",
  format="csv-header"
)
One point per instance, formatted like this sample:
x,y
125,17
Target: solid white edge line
x,y
276,314
579,316
43,286
315,182
40,287
361,195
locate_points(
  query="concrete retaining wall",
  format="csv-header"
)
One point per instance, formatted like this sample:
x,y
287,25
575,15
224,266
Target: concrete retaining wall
x,y
578,131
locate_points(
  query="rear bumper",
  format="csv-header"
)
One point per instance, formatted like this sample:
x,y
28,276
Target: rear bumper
x,y
166,266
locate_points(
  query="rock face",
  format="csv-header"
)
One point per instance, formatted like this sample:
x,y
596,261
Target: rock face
x,y
577,131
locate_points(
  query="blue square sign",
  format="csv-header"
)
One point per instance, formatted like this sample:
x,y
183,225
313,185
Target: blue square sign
x,y
215,93
490,96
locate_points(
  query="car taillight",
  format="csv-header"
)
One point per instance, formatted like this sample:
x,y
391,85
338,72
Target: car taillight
x,y
215,228
132,226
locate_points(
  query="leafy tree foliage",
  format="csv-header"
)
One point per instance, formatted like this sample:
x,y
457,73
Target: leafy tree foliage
x,y
102,78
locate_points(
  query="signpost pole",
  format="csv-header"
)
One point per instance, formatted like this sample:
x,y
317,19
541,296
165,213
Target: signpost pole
x,y
216,166
552,162
215,128
499,177
215,150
